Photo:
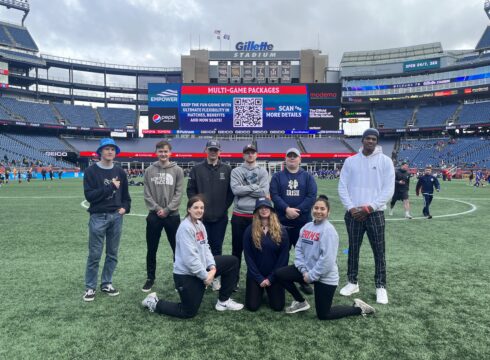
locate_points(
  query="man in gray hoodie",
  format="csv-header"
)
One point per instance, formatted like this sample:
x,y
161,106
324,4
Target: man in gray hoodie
x,y
248,182
164,183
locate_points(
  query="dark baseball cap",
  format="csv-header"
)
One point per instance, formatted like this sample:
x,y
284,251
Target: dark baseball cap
x,y
249,147
213,144
263,201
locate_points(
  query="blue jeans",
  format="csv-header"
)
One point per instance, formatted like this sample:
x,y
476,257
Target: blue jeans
x,y
102,226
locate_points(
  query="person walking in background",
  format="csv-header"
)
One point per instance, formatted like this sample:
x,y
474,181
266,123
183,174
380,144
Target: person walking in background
x,y
293,192
266,248
248,182
211,180
106,189
402,185
163,186
195,267
426,185
316,263
367,182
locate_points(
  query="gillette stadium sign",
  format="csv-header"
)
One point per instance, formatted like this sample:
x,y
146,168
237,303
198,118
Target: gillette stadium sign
x,y
253,46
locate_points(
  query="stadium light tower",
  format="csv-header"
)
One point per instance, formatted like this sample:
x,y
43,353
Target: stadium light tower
x,y
22,5
487,8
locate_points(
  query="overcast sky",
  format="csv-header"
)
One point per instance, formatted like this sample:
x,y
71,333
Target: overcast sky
x,y
157,32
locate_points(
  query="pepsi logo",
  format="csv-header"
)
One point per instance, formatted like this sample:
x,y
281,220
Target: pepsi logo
x,y
156,118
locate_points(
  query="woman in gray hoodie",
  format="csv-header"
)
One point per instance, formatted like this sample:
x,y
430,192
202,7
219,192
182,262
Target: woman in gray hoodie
x,y
195,269
316,263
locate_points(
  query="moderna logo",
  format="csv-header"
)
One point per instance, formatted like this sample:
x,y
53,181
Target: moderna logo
x,y
168,95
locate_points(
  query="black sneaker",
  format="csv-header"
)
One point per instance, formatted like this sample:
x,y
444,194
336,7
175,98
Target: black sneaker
x,y
306,289
109,290
89,295
148,284
429,217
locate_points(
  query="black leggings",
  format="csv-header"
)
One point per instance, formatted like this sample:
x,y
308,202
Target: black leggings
x,y
324,293
254,294
191,289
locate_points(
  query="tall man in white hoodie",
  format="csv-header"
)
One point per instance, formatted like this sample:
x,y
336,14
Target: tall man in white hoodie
x,y
366,184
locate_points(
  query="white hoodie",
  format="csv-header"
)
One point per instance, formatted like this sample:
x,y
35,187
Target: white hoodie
x,y
367,180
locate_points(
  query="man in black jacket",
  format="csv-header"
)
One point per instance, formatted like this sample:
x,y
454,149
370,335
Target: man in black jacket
x,y
211,179
402,184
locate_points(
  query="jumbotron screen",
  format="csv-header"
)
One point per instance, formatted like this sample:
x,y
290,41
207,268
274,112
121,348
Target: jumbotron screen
x,y
243,107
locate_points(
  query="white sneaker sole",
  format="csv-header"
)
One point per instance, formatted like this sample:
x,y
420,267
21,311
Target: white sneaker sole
x,y
224,308
299,310
89,299
146,290
349,293
382,302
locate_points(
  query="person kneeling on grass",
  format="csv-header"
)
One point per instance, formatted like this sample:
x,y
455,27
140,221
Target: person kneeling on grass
x,y
195,269
316,263
266,248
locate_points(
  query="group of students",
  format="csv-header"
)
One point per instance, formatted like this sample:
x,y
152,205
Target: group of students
x,y
263,232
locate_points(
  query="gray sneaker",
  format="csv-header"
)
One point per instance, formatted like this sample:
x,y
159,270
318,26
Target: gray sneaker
x,y
365,308
150,302
297,306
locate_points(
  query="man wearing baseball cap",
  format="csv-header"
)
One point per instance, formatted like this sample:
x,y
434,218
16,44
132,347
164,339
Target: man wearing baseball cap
x,y
106,189
293,191
211,179
367,182
248,182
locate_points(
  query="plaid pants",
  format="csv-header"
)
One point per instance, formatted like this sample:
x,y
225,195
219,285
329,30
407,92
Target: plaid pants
x,y
374,225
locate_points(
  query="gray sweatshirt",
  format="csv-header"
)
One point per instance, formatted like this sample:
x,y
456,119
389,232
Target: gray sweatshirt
x,y
163,187
316,252
248,183
192,253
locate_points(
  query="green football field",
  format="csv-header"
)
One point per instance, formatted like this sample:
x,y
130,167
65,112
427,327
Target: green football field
x,y
438,275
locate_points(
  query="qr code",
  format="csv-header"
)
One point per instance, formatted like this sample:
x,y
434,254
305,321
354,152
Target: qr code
x,y
248,112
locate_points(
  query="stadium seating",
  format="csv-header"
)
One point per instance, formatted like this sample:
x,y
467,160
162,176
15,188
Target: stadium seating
x,y
77,115
21,37
18,151
324,145
51,143
4,115
392,118
475,113
387,145
276,145
30,111
117,118
463,152
434,115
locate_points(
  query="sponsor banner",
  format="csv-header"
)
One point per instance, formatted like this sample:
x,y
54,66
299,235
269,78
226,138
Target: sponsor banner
x,y
223,71
419,65
286,71
248,73
254,55
260,70
56,153
222,155
235,71
273,70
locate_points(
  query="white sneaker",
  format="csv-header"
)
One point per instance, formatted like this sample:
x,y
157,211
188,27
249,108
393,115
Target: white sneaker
x,y
366,309
229,304
150,302
216,284
297,306
408,216
391,212
349,289
381,296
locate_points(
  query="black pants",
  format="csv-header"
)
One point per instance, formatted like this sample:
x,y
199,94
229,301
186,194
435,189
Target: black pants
x,y
216,234
254,294
374,226
238,226
154,227
191,289
427,201
293,234
324,293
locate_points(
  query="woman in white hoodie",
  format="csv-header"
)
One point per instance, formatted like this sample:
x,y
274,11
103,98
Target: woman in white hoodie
x,y
195,269
316,263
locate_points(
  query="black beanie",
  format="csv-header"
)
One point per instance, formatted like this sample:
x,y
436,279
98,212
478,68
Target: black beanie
x,y
370,131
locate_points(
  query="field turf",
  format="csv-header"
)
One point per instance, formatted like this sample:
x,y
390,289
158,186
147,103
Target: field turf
x,y
438,274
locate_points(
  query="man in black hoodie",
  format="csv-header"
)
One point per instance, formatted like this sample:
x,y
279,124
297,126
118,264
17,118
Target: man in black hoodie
x,y
211,179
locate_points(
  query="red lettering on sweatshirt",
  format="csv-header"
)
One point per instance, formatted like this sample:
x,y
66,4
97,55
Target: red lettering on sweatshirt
x,y
310,235
199,236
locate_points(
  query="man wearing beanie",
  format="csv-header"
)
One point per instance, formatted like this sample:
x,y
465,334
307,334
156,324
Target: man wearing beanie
x,y
367,183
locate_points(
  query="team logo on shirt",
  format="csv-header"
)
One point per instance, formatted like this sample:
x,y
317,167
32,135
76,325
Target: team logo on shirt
x,y
200,237
308,236
292,189
222,176
163,179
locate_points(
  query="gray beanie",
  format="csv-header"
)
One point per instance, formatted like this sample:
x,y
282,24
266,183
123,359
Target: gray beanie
x,y
370,131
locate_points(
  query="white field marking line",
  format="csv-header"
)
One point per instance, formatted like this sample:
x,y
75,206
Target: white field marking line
x,y
472,209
